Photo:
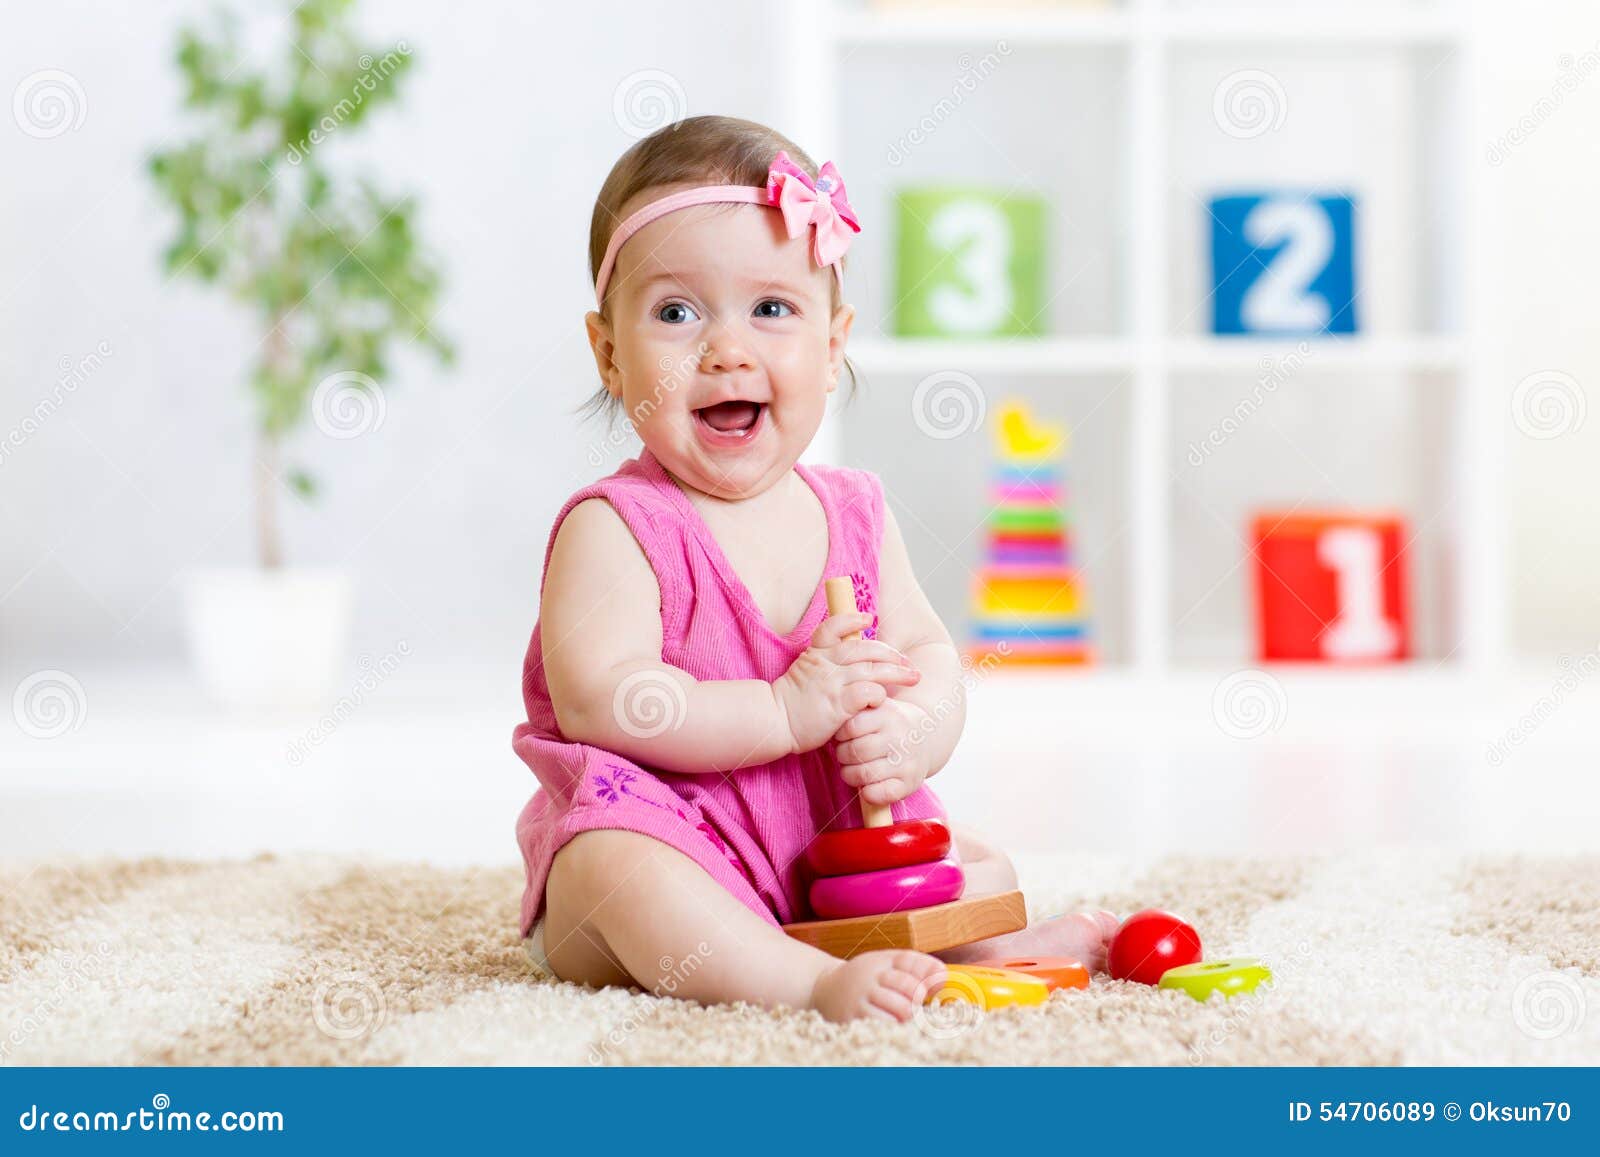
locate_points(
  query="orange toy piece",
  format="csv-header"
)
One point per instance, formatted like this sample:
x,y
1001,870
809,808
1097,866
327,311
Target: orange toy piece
x,y
1055,971
989,988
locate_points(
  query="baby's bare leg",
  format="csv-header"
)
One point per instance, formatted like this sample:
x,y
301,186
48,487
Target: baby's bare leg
x,y
624,908
1083,936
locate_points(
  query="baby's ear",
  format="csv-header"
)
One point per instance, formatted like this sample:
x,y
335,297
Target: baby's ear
x,y
604,347
838,338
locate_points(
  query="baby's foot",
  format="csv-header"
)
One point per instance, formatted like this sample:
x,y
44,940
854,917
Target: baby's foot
x,y
1080,936
1083,936
880,985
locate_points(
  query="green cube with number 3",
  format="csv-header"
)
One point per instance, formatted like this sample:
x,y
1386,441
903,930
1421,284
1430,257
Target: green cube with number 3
x,y
969,263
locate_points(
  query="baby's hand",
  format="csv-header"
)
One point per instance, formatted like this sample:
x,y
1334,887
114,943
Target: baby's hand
x,y
834,678
881,752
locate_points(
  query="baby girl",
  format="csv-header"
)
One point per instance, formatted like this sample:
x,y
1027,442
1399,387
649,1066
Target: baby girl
x,y
695,715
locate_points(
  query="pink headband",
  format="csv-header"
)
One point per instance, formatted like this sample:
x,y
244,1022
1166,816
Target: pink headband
x,y
803,202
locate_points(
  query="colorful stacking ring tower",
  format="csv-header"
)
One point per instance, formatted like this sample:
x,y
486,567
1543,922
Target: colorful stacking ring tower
x,y
1029,603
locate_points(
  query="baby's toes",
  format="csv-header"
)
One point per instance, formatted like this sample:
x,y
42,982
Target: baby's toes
x,y
1107,921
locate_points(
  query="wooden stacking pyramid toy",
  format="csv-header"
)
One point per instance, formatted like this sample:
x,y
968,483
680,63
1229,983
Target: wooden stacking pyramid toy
x,y
891,884
1029,602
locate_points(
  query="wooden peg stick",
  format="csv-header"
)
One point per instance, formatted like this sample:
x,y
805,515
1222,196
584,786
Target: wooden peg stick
x,y
841,593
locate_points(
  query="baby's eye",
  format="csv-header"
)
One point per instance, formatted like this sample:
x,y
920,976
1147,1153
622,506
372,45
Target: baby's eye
x,y
676,313
772,307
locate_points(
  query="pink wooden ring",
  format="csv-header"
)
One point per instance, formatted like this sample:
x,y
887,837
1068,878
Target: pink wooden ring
x,y
844,853
891,890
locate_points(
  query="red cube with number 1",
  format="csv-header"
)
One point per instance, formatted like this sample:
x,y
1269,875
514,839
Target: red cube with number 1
x,y
1331,587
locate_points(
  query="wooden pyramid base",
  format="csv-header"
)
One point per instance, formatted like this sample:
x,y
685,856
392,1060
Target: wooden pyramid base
x,y
921,929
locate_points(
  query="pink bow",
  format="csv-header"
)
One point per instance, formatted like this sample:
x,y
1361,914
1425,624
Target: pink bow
x,y
821,203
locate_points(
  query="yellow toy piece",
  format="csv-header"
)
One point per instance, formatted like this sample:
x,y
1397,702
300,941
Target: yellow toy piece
x,y
1004,596
989,988
1022,437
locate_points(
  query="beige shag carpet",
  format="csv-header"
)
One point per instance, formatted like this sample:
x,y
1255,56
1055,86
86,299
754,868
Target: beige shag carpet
x,y
1380,959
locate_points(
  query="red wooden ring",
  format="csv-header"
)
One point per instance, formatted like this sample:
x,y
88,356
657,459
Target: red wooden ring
x,y
844,853
891,890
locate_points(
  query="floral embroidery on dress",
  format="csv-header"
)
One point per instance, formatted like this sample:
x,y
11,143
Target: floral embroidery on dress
x,y
618,783
866,603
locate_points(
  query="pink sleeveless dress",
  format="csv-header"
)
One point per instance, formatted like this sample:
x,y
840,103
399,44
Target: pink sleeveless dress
x,y
747,828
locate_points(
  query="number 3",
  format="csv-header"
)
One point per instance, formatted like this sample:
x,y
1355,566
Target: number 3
x,y
981,234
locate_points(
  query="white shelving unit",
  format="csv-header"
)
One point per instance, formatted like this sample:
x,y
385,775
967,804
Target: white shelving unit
x,y
1099,107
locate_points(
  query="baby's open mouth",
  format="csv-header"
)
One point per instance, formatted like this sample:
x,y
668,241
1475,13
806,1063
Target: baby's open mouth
x,y
736,417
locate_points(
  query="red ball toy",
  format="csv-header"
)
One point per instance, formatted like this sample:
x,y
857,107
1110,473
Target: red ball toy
x,y
1150,942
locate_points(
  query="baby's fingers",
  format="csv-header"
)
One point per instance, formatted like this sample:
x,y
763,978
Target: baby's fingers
x,y
888,674
882,786
832,630
860,650
863,695
859,751
862,723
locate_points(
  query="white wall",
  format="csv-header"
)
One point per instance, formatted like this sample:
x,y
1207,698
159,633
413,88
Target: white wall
x,y
1542,300
506,131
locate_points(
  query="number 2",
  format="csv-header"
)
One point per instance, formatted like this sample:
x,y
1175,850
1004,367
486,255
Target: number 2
x,y
1281,298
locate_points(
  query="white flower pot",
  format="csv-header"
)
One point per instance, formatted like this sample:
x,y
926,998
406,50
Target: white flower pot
x,y
268,638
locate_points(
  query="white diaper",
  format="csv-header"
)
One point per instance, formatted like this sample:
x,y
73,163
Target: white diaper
x,y
534,947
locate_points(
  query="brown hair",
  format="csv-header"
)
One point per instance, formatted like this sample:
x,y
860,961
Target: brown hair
x,y
702,150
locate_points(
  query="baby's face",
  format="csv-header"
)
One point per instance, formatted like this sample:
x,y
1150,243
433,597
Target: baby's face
x,y
722,344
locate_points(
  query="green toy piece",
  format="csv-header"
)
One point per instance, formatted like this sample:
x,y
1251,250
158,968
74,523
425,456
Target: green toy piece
x,y
1230,977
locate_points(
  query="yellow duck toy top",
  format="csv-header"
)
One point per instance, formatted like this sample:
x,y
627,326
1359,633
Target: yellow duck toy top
x,y
1023,439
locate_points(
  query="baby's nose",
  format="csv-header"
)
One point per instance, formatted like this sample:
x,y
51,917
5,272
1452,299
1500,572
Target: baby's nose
x,y
726,350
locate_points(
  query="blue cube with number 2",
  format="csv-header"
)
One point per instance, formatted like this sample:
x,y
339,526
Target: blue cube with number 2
x,y
1283,263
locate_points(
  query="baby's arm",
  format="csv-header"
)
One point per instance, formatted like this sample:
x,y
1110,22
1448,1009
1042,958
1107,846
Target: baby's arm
x,y
601,640
908,622
887,751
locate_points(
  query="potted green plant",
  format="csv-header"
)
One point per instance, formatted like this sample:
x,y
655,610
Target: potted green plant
x,y
333,273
